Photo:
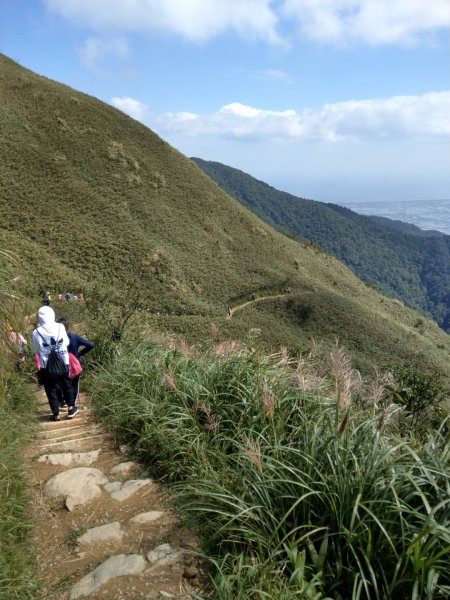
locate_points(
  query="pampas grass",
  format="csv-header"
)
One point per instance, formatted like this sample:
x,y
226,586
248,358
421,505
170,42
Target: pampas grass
x,y
297,492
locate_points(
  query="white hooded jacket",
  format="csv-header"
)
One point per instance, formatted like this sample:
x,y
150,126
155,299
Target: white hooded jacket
x,y
49,333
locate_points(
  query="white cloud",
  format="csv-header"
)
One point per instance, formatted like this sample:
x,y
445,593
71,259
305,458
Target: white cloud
x,y
399,117
335,21
274,75
95,51
131,107
195,20
369,21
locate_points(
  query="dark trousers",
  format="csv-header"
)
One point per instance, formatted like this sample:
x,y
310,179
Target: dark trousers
x,y
76,388
54,387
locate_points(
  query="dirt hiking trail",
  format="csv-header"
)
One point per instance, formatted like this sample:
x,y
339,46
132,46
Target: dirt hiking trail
x,y
100,530
241,306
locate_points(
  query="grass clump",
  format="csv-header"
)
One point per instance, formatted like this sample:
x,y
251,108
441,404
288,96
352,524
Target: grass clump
x,y
300,481
16,558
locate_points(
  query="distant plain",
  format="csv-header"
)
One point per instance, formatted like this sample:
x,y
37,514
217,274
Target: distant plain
x,y
426,214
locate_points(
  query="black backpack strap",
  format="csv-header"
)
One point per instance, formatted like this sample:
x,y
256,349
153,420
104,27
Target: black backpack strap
x,y
43,338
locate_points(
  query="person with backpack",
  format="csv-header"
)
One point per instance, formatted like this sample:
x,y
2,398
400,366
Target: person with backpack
x,y
47,298
50,347
78,347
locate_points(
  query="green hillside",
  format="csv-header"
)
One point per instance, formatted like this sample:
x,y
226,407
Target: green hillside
x,y
402,260
92,200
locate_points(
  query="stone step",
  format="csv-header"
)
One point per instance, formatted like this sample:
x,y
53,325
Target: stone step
x,y
75,441
65,425
77,435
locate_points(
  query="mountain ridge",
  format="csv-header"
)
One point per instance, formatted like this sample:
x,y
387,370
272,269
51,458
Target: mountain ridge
x,y
95,201
410,267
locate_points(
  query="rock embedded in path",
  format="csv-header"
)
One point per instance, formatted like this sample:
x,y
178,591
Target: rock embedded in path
x,y
129,488
116,566
163,555
124,467
112,486
147,517
125,448
103,533
67,458
78,485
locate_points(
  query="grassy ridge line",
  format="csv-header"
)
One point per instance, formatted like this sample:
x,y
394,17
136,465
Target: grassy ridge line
x,y
145,218
298,490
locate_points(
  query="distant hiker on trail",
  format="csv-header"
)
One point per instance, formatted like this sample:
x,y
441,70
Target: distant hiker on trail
x,y
81,297
253,297
47,299
68,296
60,297
75,343
230,310
50,346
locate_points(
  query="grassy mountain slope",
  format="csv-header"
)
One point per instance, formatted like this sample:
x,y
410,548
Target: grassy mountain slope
x,y
414,268
93,199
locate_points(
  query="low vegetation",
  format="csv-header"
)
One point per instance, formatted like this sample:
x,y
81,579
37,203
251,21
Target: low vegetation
x,y
16,558
305,481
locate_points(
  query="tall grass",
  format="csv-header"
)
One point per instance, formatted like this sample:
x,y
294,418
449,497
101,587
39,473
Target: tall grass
x,y
16,559
296,497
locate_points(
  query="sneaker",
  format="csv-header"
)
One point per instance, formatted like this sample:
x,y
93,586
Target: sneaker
x,y
55,418
62,404
72,412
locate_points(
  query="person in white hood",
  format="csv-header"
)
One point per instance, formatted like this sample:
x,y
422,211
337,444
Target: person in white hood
x,y
50,334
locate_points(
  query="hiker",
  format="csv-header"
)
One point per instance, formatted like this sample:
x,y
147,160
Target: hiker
x,y
75,343
253,297
47,337
60,297
230,310
81,296
47,299
18,344
68,296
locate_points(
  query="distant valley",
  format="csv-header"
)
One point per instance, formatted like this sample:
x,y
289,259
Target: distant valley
x,y
399,259
426,214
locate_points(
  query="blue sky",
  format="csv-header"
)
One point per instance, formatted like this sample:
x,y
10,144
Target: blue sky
x,y
335,100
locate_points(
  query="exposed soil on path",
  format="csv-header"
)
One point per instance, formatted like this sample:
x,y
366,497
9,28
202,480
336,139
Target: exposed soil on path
x,y
155,556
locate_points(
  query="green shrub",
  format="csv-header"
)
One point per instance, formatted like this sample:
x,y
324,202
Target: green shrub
x,y
423,397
